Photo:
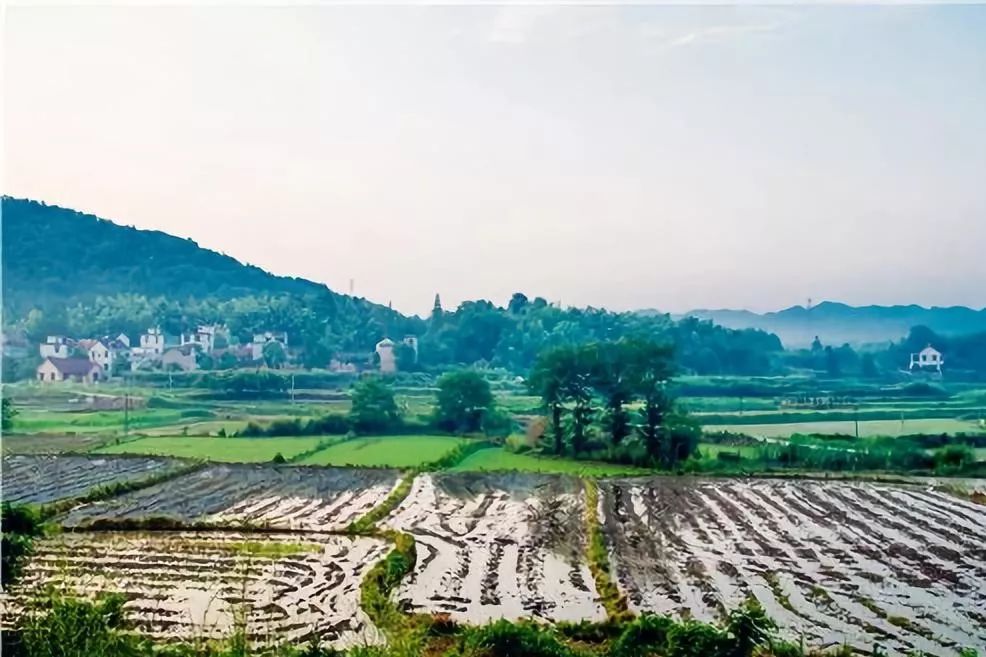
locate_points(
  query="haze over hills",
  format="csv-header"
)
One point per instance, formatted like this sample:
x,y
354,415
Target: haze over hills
x,y
837,323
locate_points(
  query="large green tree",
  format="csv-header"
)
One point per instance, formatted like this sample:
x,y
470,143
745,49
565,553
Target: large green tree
x,y
464,399
374,409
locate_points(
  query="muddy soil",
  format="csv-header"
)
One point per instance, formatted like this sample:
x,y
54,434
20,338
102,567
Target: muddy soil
x,y
498,546
288,497
39,479
902,567
182,585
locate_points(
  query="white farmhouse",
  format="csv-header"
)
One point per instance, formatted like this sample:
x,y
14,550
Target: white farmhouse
x,y
927,358
203,337
54,346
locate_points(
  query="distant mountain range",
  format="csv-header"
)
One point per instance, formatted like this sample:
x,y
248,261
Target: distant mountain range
x,y
838,323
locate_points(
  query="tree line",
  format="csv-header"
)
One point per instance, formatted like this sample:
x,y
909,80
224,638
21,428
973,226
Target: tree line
x,y
612,400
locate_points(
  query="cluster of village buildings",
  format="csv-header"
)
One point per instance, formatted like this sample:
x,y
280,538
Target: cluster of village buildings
x,y
91,360
94,359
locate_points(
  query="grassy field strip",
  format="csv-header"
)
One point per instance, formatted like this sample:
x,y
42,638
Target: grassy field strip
x,y
396,451
229,450
494,459
597,554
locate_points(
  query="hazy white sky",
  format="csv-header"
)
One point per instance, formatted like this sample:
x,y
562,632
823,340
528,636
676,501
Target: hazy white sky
x,y
627,157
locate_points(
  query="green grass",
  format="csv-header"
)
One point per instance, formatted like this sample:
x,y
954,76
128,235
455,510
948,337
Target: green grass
x,y
981,454
232,450
867,428
711,451
31,421
496,458
385,451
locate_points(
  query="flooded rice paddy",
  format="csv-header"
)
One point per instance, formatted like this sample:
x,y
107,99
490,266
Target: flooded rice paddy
x,y
498,546
864,564
296,498
182,585
40,479
902,567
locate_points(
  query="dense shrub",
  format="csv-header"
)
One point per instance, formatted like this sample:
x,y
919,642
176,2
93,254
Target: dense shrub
x,y
20,525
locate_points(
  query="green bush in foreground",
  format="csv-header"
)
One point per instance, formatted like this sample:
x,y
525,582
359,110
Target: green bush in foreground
x,y
20,525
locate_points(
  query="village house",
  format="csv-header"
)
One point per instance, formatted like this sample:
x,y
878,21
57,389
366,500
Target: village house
x,y
260,341
99,353
927,358
55,346
203,337
82,370
151,344
182,357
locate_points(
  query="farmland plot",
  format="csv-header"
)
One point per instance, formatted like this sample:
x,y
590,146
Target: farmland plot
x,y
187,585
866,564
311,499
498,546
39,479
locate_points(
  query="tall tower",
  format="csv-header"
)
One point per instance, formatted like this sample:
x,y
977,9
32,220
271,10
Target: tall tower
x,y
436,310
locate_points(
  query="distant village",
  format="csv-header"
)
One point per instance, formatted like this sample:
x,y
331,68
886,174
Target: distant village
x,y
91,360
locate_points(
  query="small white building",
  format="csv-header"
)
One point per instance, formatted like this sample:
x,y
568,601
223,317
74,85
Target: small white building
x,y
388,360
54,346
99,353
151,343
260,341
927,358
203,337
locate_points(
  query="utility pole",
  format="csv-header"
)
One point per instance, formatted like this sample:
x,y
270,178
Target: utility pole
x,y
126,407
292,388
856,419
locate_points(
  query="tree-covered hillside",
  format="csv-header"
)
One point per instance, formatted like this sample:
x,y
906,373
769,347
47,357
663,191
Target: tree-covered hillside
x,y
54,256
75,274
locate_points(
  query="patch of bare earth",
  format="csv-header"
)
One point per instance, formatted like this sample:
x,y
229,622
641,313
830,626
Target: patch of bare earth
x,y
498,546
288,497
39,479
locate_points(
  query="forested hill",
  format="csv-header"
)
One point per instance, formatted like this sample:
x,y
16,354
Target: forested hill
x,y
53,256
838,323
75,274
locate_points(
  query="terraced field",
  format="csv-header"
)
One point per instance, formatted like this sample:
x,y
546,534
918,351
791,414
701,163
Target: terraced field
x,y
498,546
185,585
312,499
39,479
899,567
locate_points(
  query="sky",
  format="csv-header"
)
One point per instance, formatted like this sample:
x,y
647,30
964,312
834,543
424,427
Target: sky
x,y
670,157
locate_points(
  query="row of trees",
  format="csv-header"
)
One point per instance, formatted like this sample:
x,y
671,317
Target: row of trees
x,y
595,387
323,325
464,404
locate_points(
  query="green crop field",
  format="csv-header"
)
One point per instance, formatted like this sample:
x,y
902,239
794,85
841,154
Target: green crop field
x,y
981,454
32,421
206,428
389,451
711,451
496,458
243,450
866,427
